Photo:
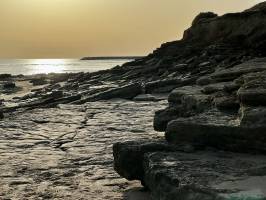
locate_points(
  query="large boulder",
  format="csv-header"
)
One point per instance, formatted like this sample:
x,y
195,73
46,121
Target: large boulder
x,y
162,117
172,173
128,157
183,102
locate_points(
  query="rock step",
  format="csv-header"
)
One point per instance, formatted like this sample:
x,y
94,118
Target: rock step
x,y
128,157
190,97
171,174
167,85
219,130
184,102
230,74
253,90
205,176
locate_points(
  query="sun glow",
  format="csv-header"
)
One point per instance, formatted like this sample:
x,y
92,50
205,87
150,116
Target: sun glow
x,y
48,61
77,28
45,66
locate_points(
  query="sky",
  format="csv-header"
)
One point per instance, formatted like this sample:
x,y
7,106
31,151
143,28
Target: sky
x,y
77,28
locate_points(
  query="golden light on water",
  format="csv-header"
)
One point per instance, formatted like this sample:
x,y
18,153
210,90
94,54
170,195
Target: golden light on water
x,y
45,66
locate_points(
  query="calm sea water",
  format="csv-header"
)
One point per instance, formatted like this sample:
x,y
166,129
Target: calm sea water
x,y
39,66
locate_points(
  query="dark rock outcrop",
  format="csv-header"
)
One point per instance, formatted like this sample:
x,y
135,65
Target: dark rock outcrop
x,y
128,157
172,173
215,118
39,81
9,85
258,7
221,109
203,16
246,28
204,176
126,92
1,115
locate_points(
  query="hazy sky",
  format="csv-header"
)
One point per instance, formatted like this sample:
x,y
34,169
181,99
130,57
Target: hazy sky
x,y
76,28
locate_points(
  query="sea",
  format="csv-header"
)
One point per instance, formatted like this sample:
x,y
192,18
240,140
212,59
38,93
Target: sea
x,y
45,66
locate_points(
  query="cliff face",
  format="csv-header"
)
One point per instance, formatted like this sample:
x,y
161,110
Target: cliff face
x,y
216,76
222,41
246,29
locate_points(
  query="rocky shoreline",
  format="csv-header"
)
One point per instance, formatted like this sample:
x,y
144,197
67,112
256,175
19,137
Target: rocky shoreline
x,y
207,142
215,120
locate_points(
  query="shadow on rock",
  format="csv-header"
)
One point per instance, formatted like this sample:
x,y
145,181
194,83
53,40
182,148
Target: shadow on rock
x,y
137,194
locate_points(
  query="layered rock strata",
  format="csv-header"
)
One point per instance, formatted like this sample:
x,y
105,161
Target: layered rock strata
x,y
215,118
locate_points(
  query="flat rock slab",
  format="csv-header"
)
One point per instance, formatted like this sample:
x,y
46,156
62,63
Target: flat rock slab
x,y
205,176
66,152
